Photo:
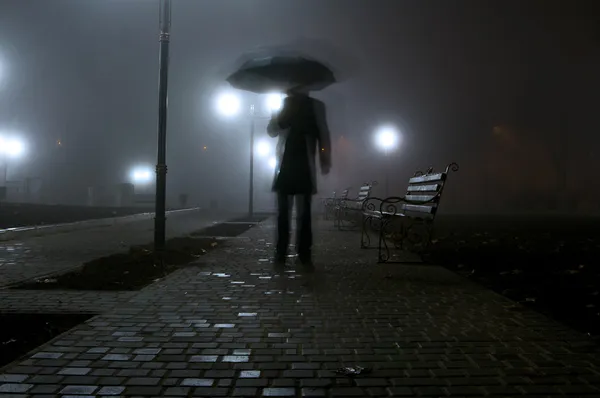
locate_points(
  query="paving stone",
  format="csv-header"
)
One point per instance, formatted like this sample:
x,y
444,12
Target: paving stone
x,y
15,388
75,371
197,382
244,392
313,392
279,392
78,390
250,374
111,390
177,391
12,378
45,389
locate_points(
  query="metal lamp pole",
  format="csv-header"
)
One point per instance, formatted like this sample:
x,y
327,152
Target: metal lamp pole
x,y
161,162
251,188
387,172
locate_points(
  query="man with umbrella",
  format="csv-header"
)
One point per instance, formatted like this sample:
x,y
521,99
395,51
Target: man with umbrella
x,y
302,130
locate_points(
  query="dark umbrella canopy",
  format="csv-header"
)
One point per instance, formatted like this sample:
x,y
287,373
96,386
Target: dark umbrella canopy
x,y
280,73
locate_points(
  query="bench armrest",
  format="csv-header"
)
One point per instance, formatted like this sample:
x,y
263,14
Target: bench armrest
x,y
371,204
392,205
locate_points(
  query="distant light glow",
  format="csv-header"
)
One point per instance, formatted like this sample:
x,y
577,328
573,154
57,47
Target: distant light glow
x,y
229,104
387,138
141,175
12,147
274,102
263,148
273,162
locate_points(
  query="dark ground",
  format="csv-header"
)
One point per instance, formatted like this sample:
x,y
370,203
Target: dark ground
x,y
21,333
139,267
24,214
548,263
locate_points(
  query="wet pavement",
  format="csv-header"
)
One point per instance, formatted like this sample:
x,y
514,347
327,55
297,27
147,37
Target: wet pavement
x,y
24,259
232,326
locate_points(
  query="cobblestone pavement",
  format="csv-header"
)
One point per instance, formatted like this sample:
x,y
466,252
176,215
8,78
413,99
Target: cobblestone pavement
x,y
29,258
231,326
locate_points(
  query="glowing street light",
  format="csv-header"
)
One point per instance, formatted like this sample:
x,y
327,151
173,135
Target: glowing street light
x,y
263,148
141,175
12,147
229,104
274,102
273,162
387,139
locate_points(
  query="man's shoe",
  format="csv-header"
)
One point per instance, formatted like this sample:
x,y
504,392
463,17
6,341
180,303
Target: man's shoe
x,y
280,259
305,259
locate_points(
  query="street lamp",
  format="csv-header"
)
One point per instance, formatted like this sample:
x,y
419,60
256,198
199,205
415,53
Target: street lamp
x,y
10,148
263,148
387,139
274,102
229,104
141,175
160,217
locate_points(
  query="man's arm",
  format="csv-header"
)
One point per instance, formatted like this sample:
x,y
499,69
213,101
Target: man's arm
x,y
273,127
324,137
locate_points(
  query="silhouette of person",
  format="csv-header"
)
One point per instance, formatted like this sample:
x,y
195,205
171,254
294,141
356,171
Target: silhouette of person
x,y
302,128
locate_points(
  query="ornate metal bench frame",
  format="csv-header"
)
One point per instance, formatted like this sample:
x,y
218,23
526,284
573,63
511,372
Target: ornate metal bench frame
x,y
348,212
397,230
330,204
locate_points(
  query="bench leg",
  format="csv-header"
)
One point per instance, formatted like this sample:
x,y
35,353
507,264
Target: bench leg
x,y
365,239
381,258
369,224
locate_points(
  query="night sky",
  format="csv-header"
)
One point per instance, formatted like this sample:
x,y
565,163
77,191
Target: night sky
x,y
508,89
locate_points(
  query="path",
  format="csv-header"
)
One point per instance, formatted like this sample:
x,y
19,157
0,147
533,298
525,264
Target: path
x,y
230,326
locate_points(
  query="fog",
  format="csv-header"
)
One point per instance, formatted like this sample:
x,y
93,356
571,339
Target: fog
x,y
508,90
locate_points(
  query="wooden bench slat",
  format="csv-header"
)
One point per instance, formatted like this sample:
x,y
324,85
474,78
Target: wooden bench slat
x,y
424,188
419,208
422,198
428,178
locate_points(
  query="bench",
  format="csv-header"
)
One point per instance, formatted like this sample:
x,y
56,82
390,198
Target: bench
x,y
331,203
348,211
405,223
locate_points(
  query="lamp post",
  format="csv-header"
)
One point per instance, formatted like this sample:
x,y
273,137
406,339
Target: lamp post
x,y
160,218
387,140
230,105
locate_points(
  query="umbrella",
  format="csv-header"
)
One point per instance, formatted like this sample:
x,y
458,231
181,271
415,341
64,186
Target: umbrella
x,y
280,73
